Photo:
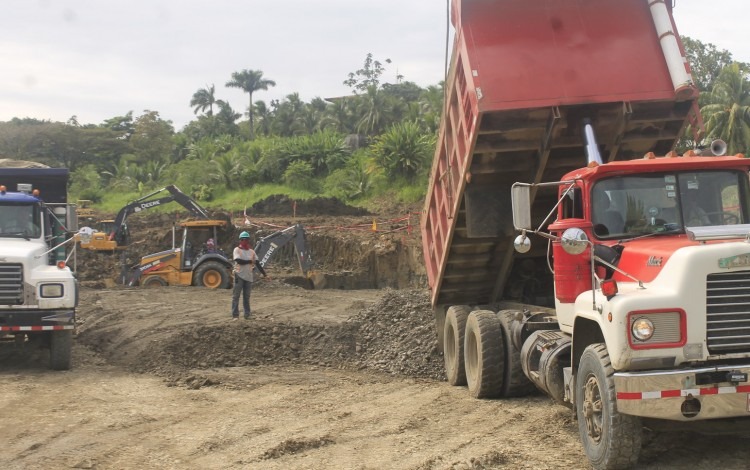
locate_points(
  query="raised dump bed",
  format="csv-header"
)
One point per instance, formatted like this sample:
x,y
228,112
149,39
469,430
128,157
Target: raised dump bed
x,y
524,75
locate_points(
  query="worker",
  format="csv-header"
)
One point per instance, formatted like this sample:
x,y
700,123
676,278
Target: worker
x,y
607,220
695,216
245,260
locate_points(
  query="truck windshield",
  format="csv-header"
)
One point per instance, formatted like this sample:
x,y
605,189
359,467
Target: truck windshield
x,y
20,221
630,206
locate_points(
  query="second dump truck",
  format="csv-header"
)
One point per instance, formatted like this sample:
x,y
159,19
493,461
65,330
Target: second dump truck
x,y
569,249
38,288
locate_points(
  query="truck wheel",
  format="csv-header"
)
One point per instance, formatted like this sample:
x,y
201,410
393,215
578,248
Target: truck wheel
x,y
484,354
61,342
611,440
212,274
453,344
515,382
153,281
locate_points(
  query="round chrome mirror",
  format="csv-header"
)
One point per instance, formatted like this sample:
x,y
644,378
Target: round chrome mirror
x,y
522,244
574,241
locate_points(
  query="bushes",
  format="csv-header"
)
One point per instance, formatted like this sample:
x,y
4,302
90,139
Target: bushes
x,y
403,150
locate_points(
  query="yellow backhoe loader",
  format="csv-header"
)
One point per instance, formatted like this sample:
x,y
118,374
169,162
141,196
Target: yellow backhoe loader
x,y
114,234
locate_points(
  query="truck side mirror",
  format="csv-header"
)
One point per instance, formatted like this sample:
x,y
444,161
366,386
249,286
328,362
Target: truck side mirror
x,y
521,202
574,241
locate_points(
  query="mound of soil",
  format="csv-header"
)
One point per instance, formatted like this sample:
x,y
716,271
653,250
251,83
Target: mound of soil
x,y
394,335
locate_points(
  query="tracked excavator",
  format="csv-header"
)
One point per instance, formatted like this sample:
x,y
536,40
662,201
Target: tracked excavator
x,y
199,262
114,234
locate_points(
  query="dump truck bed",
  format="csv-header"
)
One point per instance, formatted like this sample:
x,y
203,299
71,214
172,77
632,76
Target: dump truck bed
x,y
523,77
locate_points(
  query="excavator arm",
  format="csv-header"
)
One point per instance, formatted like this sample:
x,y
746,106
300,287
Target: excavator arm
x,y
267,246
146,202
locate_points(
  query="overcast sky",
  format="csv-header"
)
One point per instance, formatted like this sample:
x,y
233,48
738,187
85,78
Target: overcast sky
x,y
97,59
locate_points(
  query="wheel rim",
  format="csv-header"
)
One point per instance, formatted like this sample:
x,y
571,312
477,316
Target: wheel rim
x,y
212,279
592,408
152,282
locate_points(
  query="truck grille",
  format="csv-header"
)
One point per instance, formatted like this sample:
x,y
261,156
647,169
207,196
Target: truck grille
x,y
11,284
728,312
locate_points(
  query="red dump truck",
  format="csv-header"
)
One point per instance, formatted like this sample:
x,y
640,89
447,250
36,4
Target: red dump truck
x,y
632,306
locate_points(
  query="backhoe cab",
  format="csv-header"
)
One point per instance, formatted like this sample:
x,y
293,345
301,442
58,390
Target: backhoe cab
x,y
114,235
196,262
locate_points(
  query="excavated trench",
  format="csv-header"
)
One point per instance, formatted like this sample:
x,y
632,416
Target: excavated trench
x,y
342,258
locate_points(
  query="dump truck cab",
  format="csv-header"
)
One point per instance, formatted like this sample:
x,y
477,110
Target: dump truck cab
x,y
38,289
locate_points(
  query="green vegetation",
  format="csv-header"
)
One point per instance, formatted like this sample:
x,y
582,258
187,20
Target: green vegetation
x,y
375,144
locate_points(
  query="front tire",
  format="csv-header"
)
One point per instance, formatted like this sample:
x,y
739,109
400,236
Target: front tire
x,y
453,344
611,440
484,354
153,281
212,274
61,344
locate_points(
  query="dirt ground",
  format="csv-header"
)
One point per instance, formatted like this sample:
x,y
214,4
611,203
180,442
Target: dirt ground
x,y
316,379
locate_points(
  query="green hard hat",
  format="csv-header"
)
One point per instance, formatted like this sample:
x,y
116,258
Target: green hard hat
x,y
244,235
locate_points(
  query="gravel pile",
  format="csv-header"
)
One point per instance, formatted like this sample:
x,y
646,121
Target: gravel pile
x,y
395,335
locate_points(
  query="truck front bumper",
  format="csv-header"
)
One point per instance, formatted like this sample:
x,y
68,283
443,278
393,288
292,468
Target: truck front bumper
x,y
685,395
36,320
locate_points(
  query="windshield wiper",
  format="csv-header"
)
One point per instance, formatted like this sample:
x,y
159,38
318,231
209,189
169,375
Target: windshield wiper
x,y
23,234
666,231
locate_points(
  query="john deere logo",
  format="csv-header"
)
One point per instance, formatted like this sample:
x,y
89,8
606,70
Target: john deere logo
x,y
654,261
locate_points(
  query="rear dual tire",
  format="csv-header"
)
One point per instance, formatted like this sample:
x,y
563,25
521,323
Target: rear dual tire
x,y
478,352
484,354
453,343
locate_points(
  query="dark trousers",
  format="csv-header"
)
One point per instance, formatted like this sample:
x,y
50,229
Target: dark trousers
x,y
243,287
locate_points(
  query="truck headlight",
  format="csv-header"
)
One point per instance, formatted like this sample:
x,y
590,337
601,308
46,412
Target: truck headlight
x,y
51,290
643,329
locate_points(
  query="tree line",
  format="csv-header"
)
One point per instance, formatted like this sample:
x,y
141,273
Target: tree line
x,y
380,136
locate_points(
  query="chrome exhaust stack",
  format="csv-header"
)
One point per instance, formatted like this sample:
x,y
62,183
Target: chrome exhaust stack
x,y
589,142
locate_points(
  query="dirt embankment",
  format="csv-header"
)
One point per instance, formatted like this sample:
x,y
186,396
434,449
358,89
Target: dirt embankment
x,y
355,250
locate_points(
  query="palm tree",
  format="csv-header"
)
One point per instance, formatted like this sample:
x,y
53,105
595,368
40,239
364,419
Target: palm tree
x,y
727,109
339,116
204,99
227,168
264,117
403,150
373,111
250,81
